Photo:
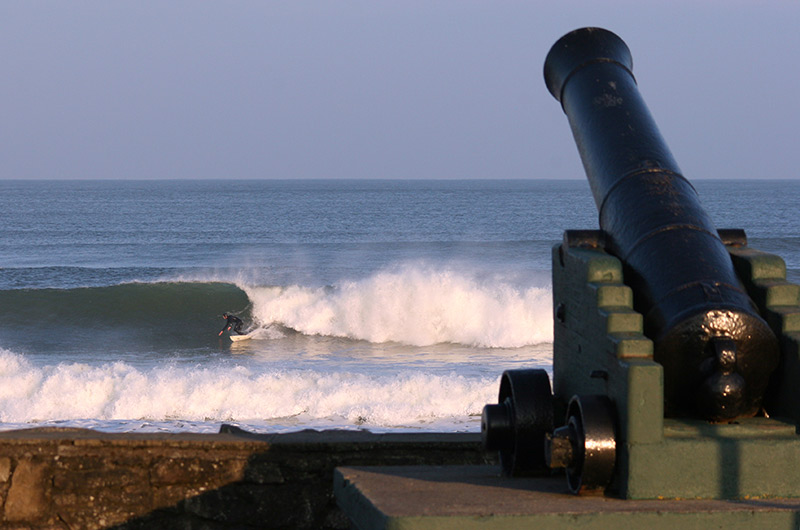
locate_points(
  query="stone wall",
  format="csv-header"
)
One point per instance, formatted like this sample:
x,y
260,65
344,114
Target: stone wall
x,y
82,479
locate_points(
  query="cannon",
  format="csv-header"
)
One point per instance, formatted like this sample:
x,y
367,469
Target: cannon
x,y
656,335
717,352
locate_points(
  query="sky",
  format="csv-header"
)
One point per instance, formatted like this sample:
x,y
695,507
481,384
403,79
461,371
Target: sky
x,y
422,89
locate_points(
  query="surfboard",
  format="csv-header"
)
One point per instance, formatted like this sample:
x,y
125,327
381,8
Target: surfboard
x,y
237,338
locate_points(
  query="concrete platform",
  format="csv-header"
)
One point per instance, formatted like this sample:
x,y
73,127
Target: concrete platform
x,y
467,497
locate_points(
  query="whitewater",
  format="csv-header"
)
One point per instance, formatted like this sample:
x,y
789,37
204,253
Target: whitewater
x,y
379,305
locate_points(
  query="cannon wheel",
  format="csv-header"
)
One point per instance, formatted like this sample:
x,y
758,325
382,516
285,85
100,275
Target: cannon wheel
x,y
590,420
529,401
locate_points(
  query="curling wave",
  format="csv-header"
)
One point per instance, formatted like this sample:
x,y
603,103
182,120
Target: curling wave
x,y
411,304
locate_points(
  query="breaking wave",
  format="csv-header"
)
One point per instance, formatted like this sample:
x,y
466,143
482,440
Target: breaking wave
x,y
412,304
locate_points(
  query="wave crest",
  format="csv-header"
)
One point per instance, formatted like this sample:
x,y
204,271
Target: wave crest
x,y
414,305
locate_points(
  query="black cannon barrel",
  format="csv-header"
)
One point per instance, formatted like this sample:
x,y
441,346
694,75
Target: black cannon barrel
x,y
717,352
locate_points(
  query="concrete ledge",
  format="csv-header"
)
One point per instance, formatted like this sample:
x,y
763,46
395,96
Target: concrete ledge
x,y
82,479
467,497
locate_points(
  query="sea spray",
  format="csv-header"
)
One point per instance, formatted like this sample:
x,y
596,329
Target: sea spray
x,y
414,304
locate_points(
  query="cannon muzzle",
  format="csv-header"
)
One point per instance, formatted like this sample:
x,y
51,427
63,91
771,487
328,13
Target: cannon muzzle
x,y
717,352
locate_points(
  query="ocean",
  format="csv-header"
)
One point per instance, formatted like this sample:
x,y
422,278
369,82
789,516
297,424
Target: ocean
x,y
383,305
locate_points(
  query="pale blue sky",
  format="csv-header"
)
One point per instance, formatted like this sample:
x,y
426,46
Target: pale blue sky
x,y
378,89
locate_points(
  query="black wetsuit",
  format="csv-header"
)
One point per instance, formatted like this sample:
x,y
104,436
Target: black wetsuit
x,y
235,323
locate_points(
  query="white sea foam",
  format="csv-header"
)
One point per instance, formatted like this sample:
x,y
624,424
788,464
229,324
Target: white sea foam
x,y
226,392
417,305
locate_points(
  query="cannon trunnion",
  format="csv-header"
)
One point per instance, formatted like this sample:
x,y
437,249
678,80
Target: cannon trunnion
x,y
667,333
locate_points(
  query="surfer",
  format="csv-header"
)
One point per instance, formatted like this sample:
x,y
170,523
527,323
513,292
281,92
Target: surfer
x,y
232,322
